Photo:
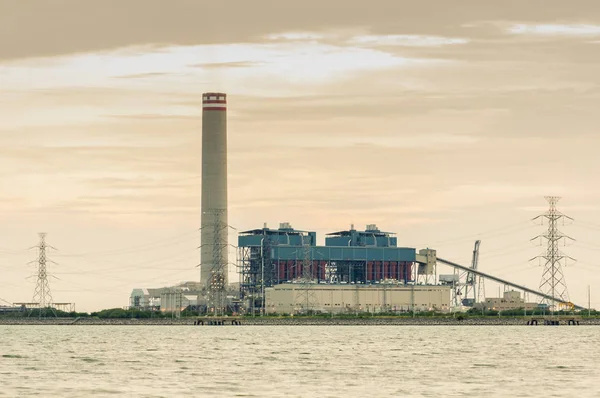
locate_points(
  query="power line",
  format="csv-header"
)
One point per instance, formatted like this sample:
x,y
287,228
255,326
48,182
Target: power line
x,y
12,252
134,249
511,228
1,299
513,266
506,253
516,245
142,265
588,225
128,283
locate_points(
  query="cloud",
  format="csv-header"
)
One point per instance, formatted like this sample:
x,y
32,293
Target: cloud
x,y
406,40
153,116
232,64
274,69
295,36
142,75
556,29
83,23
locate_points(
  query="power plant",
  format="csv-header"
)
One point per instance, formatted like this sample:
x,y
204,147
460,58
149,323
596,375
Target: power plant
x,y
284,270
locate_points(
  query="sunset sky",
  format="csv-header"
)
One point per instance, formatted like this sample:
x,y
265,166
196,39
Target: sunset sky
x,y
443,121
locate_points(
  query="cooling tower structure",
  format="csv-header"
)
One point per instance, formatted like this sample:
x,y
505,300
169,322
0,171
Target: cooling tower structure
x,y
214,224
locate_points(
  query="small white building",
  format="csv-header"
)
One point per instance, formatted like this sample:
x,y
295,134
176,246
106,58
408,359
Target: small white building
x,y
292,298
144,298
173,298
511,300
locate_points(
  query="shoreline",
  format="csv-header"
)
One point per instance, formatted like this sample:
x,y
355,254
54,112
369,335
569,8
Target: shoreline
x,y
289,321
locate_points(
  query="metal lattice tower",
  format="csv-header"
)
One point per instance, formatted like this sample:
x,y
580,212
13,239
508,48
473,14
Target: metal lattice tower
x,y
553,280
218,278
307,297
42,295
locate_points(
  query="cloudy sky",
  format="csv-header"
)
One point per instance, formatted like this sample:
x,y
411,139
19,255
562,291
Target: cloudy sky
x,y
443,121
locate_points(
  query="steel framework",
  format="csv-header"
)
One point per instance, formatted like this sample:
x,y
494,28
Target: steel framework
x,y
218,275
553,280
258,270
506,282
306,298
469,287
42,295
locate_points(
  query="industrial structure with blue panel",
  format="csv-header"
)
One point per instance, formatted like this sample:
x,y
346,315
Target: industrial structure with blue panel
x,y
268,257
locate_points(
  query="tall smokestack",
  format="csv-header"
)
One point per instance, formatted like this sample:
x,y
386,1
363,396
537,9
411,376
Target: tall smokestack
x,y
213,252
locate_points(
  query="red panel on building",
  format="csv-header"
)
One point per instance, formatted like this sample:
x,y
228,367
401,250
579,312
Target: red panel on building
x,y
393,270
281,271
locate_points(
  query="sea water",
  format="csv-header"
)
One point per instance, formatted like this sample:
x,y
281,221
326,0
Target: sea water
x,y
300,361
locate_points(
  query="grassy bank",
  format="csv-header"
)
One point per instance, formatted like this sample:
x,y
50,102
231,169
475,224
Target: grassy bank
x,y
119,313
119,316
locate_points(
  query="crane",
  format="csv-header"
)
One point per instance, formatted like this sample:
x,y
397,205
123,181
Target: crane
x,y
474,282
466,283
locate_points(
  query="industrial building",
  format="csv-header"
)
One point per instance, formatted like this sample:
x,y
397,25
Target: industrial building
x,y
192,296
273,262
511,300
289,298
166,299
185,295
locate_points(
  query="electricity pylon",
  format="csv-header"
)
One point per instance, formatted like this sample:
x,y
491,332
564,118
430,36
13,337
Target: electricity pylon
x,y
218,277
553,280
42,295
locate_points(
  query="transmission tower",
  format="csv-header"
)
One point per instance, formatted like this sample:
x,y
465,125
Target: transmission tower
x,y
553,280
218,274
307,297
42,295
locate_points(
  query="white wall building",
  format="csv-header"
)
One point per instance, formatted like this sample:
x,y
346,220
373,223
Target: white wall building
x,y
332,298
174,298
511,300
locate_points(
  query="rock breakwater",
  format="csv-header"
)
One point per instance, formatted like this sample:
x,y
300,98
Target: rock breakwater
x,y
291,321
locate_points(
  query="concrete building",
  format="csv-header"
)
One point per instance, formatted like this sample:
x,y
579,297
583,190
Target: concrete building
x,y
290,298
167,299
145,299
178,297
214,223
511,300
